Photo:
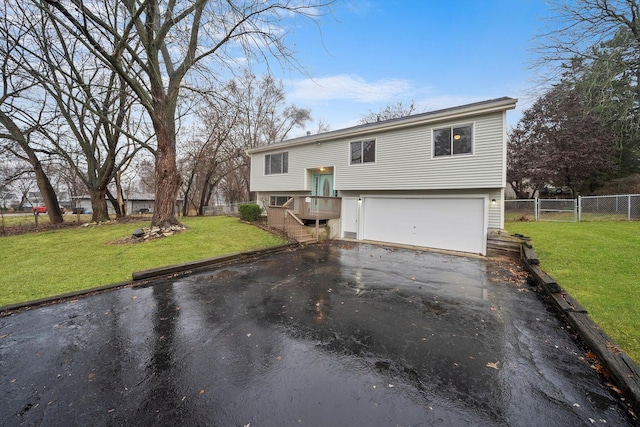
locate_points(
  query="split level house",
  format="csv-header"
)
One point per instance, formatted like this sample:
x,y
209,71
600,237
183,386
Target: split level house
x,y
433,180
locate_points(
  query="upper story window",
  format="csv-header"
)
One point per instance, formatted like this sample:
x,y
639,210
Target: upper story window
x,y
454,140
276,163
363,152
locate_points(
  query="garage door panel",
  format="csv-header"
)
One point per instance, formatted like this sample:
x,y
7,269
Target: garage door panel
x,y
452,224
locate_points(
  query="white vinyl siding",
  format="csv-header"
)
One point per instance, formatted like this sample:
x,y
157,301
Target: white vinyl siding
x,y
403,161
496,213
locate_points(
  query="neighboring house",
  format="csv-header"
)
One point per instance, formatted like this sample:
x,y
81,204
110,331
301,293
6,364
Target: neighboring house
x,y
140,203
434,180
135,203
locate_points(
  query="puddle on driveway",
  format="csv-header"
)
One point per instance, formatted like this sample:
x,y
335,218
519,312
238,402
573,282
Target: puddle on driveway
x,y
338,335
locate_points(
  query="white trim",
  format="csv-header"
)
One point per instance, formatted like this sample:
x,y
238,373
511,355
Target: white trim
x,y
450,156
505,138
362,141
308,176
264,163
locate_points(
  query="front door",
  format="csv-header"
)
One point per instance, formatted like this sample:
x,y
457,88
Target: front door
x,y
322,185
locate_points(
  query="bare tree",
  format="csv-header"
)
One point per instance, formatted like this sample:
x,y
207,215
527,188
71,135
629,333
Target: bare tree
x,y
95,108
391,111
207,155
264,119
596,44
322,127
246,112
21,119
176,37
580,25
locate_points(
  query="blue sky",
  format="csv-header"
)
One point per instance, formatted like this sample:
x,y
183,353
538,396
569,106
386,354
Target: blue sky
x,y
440,53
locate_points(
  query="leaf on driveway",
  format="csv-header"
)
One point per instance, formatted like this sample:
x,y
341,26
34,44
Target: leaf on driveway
x,y
493,365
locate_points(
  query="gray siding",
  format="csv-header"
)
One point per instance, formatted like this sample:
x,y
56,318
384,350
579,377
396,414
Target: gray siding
x,y
403,161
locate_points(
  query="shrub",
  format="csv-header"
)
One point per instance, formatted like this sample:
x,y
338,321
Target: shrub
x,y
249,212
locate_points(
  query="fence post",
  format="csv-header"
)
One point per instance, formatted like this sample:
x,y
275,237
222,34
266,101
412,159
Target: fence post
x,y
628,207
535,208
579,208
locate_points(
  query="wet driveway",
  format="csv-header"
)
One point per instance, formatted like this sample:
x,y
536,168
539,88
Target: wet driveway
x,y
331,335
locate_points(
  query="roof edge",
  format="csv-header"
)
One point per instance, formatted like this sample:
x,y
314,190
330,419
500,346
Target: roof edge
x,y
489,106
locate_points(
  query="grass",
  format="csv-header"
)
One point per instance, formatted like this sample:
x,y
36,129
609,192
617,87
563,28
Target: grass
x,y
10,220
598,263
48,263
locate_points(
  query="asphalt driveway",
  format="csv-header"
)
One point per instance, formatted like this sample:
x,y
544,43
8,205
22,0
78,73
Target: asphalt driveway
x,y
330,335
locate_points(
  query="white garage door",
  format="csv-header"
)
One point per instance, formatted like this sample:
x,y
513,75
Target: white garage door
x,y
452,224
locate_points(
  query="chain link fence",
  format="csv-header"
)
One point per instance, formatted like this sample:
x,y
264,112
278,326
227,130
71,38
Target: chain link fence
x,y
563,210
521,210
589,208
610,208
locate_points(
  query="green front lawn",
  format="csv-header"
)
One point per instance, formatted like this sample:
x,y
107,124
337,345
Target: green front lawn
x,y
37,265
598,263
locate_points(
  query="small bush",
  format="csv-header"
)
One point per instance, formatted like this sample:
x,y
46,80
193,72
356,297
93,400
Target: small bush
x,y
249,212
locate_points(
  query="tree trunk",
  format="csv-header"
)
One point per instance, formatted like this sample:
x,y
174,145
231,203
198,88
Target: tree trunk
x,y
168,179
122,206
167,187
203,194
187,191
42,180
48,194
117,206
99,206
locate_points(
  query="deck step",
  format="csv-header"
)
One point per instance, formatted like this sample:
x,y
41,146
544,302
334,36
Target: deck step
x,y
502,244
297,232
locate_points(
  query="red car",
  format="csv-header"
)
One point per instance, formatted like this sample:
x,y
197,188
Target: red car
x,y
41,208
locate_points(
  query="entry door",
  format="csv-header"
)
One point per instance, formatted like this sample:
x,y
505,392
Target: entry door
x,y
322,185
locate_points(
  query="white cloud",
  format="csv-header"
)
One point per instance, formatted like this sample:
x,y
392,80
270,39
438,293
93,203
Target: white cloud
x,y
348,88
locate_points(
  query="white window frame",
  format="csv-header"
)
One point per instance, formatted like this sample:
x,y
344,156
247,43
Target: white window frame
x,y
362,162
282,154
275,198
450,128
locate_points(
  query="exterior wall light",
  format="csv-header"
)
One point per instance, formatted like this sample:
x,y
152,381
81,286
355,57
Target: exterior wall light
x,y
493,202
